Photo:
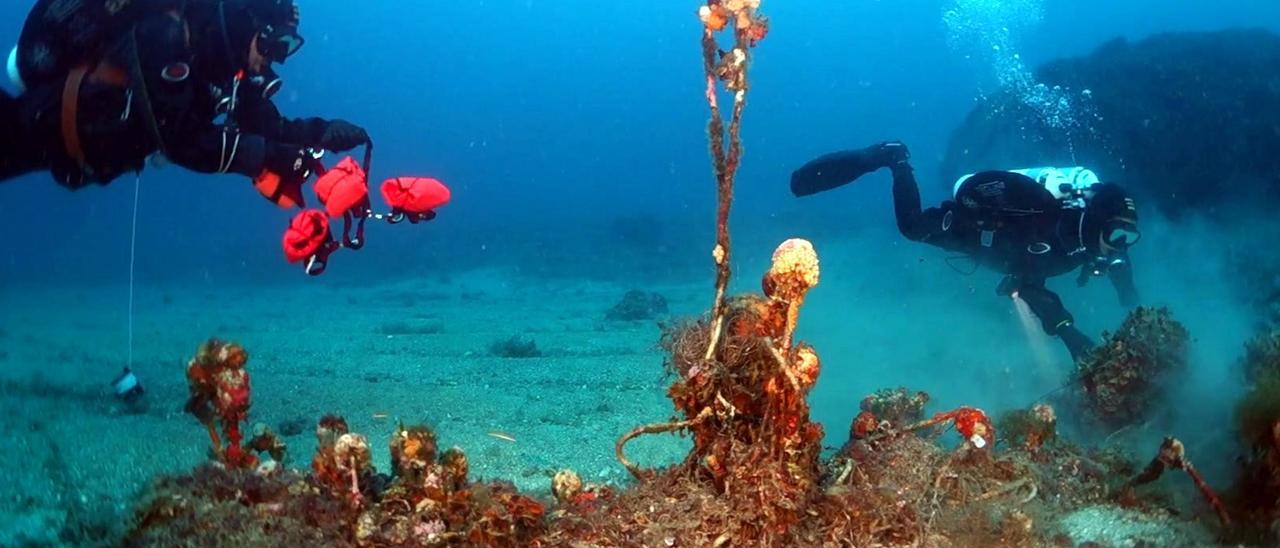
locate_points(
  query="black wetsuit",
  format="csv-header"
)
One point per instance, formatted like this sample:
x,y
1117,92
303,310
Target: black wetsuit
x,y
121,124
1004,220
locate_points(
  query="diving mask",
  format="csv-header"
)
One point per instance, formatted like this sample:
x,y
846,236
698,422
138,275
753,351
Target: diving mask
x,y
1121,234
279,42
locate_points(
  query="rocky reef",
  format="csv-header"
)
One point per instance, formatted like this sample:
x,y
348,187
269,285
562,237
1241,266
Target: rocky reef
x,y
427,500
1256,493
754,475
1124,380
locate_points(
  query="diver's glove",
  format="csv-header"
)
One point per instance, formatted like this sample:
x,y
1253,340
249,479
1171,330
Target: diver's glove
x,y
290,162
889,154
341,136
284,171
1121,274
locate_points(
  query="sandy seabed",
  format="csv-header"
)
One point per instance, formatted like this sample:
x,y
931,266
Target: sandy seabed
x,y
411,352
417,351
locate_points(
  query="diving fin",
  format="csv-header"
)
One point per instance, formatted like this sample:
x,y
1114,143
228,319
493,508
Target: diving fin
x,y
841,168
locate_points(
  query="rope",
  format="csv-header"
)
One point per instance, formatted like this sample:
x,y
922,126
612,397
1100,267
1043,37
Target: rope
x,y
133,246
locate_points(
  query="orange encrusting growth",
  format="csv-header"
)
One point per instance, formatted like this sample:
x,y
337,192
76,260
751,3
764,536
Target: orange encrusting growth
x,y
219,390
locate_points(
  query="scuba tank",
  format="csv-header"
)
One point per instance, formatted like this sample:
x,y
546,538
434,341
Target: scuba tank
x,y
58,35
1071,186
15,76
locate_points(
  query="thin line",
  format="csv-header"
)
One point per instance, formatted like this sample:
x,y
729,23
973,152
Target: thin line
x,y
133,246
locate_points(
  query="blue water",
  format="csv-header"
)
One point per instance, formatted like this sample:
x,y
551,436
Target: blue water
x,y
555,113
552,120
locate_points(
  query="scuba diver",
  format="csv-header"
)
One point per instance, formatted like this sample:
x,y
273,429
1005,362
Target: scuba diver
x,y
108,83
1029,224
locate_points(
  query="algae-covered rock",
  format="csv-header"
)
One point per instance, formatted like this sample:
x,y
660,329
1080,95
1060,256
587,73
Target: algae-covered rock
x,y
899,406
515,347
1029,429
1124,379
215,506
637,305
1262,357
1256,493
1258,411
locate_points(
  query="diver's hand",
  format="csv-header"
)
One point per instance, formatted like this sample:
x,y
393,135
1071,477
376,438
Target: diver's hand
x,y
341,136
284,171
889,153
1121,274
289,162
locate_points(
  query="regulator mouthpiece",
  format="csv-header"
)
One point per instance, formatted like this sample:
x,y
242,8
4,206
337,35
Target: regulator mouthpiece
x,y
267,83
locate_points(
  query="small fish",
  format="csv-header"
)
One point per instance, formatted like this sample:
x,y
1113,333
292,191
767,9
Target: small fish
x,y
502,436
379,416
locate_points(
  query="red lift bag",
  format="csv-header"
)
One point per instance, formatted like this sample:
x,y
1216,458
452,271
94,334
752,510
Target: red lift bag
x,y
342,188
415,194
307,233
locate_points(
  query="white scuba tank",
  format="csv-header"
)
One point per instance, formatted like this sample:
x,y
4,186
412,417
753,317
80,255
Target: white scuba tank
x,y
15,75
1072,186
